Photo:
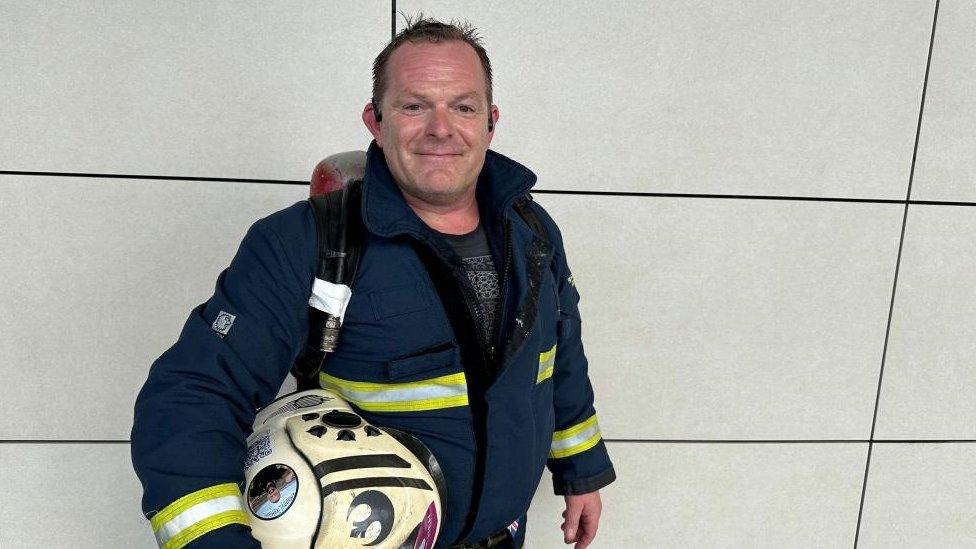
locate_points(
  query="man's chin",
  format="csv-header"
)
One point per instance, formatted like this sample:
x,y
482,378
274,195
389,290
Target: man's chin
x,y
439,193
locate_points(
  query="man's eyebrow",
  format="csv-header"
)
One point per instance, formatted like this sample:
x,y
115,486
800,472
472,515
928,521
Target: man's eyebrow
x,y
418,95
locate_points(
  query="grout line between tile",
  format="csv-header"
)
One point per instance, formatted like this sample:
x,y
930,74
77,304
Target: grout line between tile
x,y
894,284
539,191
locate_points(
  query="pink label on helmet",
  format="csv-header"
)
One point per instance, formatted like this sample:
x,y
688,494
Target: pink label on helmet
x,y
428,529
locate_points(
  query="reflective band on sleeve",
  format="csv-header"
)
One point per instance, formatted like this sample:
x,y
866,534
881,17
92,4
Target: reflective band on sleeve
x,y
430,394
195,514
546,362
578,438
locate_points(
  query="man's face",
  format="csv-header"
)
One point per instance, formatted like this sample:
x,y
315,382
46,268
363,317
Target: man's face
x,y
434,131
273,494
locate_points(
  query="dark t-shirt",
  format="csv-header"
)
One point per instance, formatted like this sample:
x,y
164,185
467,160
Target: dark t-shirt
x,y
480,268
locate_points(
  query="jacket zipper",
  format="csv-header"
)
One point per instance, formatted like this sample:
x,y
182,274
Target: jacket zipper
x,y
490,343
474,307
497,332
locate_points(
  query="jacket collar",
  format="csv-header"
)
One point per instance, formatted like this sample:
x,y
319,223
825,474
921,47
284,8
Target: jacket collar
x,y
386,213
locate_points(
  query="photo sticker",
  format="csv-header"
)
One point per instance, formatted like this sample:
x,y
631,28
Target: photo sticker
x,y
272,491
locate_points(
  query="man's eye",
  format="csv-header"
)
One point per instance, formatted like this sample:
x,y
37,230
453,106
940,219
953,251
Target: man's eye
x,y
466,108
411,107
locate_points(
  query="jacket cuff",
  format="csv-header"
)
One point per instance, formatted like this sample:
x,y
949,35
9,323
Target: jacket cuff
x,y
586,485
210,517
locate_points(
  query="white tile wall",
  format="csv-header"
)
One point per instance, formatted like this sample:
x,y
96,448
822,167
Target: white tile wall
x,y
719,495
82,496
99,276
751,97
731,319
219,88
946,165
920,495
930,376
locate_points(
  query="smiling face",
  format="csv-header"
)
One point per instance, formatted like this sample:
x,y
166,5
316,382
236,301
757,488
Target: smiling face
x,y
434,129
273,494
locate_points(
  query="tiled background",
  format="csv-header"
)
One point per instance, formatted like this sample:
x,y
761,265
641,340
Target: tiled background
x,y
768,207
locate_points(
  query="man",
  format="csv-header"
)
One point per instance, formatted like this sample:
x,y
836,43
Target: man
x,y
463,328
273,494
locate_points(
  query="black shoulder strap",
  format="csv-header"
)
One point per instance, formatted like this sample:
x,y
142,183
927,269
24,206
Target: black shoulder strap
x,y
339,228
531,218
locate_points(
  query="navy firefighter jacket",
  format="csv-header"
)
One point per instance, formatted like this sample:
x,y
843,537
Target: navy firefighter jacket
x,y
503,409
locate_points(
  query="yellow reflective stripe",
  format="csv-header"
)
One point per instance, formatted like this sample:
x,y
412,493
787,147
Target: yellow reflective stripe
x,y
197,513
430,394
216,521
567,433
546,362
578,438
191,499
579,448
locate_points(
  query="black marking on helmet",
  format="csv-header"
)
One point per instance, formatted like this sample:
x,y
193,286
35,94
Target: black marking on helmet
x,y
380,510
341,419
374,482
359,462
308,401
422,453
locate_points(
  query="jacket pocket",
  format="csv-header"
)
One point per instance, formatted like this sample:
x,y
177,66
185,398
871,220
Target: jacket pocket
x,y
399,300
437,357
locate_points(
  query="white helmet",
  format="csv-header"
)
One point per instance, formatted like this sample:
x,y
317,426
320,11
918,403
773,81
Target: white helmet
x,y
318,476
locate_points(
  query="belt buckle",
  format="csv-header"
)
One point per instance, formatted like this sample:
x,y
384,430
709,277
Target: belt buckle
x,y
496,540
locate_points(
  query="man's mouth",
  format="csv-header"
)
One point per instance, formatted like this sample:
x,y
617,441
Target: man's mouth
x,y
440,157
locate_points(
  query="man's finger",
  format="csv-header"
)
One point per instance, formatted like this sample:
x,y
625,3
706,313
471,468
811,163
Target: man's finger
x,y
571,524
587,530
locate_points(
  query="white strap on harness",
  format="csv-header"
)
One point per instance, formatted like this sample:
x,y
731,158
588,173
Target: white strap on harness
x,y
330,298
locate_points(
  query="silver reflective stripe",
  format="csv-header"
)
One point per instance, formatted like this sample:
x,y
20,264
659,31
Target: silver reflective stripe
x,y
195,514
429,394
576,439
546,362
404,395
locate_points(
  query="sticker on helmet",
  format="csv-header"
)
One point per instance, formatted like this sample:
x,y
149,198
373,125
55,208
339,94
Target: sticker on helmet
x,y
427,530
272,491
371,516
258,450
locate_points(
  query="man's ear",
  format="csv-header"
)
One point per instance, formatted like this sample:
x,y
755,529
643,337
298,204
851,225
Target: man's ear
x,y
493,117
370,115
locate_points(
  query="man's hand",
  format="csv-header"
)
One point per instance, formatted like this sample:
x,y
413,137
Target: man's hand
x,y
582,516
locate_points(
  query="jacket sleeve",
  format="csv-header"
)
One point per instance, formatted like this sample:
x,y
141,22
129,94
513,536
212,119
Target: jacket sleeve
x,y
578,457
198,403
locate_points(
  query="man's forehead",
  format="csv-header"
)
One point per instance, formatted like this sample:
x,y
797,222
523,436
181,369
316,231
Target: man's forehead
x,y
409,92
438,61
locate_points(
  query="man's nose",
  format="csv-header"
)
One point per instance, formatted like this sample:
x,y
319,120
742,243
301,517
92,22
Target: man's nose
x,y
439,123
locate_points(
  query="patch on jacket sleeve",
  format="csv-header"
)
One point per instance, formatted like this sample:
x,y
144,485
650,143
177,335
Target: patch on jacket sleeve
x,y
571,280
223,323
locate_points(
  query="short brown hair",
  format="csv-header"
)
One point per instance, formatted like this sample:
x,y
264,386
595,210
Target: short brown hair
x,y
431,30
